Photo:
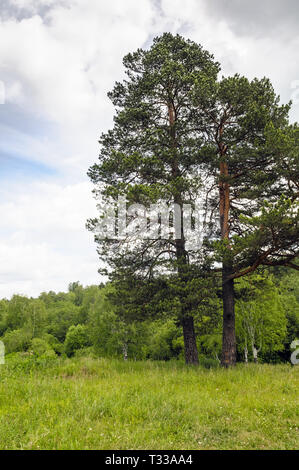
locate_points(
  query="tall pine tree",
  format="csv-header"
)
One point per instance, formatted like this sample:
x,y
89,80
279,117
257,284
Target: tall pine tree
x,y
252,155
151,155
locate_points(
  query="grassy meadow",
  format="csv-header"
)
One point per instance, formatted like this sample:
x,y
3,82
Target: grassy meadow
x,y
87,403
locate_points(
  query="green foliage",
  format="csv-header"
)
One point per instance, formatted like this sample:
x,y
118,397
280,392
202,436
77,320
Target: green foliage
x,y
166,341
3,316
249,133
269,300
35,318
17,312
76,338
40,347
53,343
211,345
261,320
61,315
182,135
16,340
77,290
151,155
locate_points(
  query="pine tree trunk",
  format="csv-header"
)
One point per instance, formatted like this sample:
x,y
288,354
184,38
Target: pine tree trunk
x,y
191,354
228,297
228,335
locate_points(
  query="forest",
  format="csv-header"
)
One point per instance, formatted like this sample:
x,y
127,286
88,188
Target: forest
x,y
86,322
224,289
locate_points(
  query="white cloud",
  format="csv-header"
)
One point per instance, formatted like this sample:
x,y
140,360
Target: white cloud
x,y
253,56
44,243
58,64
58,59
33,5
66,61
61,66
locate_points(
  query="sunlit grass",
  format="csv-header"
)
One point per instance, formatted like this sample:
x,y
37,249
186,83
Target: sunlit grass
x,y
108,404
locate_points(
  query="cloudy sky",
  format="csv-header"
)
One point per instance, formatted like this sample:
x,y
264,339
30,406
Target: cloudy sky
x,y
58,59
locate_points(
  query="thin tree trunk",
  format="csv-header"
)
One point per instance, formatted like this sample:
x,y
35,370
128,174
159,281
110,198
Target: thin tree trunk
x,y
125,351
191,353
255,354
246,354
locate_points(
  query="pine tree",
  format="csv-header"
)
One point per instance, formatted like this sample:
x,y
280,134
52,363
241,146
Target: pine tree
x,y
151,155
180,135
252,155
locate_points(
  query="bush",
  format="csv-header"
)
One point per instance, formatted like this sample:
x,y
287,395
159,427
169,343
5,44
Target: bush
x,y
85,352
16,341
27,361
165,342
76,338
40,347
56,345
211,345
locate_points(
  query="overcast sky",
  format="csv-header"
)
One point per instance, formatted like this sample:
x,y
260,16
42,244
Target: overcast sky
x,y
58,59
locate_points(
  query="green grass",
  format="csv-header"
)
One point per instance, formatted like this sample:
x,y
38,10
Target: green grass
x,y
90,403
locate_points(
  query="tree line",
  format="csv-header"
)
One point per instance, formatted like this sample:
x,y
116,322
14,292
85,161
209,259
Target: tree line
x,y
87,321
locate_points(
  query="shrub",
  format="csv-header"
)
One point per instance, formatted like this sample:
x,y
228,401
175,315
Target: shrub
x,y
76,338
85,352
16,341
56,345
165,341
40,347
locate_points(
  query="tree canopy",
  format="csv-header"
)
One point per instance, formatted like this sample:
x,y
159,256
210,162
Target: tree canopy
x,y
182,135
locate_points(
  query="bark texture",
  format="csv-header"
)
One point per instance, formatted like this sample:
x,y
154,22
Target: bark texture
x,y
191,354
228,333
